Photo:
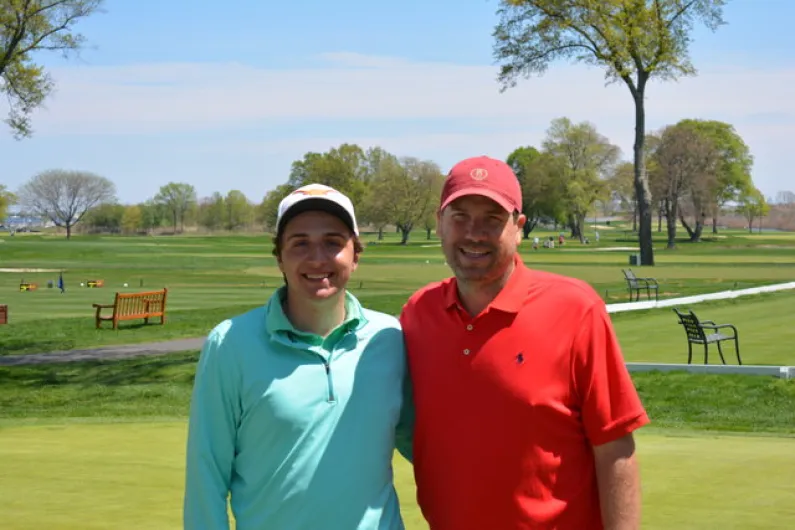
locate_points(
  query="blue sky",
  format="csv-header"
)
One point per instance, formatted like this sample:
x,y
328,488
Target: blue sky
x,y
227,98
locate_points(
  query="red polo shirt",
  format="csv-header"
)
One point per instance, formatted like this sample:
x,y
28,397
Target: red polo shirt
x,y
509,403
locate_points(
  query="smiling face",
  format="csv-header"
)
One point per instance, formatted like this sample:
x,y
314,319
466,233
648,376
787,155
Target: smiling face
x,y
479,238
317,255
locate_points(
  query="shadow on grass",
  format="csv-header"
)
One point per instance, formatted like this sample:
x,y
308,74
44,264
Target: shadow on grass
x,y
173,368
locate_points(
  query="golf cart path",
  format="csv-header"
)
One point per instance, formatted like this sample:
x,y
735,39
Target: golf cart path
x,y
104,353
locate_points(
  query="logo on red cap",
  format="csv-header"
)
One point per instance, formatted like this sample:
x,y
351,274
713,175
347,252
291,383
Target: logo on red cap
x,y
479,173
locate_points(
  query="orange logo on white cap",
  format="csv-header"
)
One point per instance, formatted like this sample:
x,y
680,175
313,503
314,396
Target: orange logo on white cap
x,y
313,190
479,174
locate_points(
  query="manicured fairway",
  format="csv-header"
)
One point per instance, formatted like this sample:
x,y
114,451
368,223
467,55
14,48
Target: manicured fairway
x,y
129,476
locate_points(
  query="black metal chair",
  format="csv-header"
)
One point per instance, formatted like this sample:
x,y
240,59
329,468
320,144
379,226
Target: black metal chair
x,y
706,332
635,285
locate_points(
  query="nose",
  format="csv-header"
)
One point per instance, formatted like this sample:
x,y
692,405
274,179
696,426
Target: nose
x,y
477,231
317,253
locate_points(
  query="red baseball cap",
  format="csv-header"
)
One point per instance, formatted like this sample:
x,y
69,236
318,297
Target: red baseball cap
x,y
484,176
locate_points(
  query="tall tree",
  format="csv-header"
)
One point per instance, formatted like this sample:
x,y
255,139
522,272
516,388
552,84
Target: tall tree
x,y
105,217
268,210
733,173
132,219
64,197
684,162
382,168
152,215
621,186
212,212
6,199
238,211
633,40
28,27
752,205
586,159
542,190
177,198
406,192
343,168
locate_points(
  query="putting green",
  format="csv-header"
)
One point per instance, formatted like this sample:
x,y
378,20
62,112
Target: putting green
x,y
129,476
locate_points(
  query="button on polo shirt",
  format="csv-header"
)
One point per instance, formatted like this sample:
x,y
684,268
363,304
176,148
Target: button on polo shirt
x,y
508,402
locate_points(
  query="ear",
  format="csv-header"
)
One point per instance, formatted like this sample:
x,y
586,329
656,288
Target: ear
x,y
355,261
520,222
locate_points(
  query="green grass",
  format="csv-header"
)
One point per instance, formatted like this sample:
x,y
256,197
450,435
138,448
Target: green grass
x,y
764,325
84,444
211,278
160,386
85,476
91,442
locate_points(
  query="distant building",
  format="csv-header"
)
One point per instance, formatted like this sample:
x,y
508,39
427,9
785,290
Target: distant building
x,y
18,221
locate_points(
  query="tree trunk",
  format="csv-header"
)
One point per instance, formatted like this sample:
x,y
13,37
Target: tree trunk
x,y
642,191
404,230
635,217
714,224
696,235
380,233
659,219
526,229
175,221
428,234
750,225
580,220
670,222
690,231
68,230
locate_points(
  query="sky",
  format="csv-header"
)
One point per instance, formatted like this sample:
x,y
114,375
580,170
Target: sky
x,y
226,96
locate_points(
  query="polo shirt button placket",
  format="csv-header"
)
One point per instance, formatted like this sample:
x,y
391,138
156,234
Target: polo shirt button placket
x,y
470,327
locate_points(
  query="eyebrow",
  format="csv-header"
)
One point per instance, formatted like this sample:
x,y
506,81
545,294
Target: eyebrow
x,y
326,234
496,211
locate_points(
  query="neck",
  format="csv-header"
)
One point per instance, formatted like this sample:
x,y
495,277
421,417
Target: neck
x,y
315,317
477,295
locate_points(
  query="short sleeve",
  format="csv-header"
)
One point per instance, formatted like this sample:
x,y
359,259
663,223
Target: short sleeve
x,y
610,405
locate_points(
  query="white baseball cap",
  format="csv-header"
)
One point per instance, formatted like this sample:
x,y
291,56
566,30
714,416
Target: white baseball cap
x,y
316,197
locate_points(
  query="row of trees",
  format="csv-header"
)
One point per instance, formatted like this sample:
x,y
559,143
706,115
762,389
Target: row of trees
x,y
388,190
695,169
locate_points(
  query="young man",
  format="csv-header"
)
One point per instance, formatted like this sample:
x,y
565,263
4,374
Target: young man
x,y
524,407
295,404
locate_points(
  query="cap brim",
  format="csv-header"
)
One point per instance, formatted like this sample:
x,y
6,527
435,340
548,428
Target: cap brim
x,y
315,204
483,192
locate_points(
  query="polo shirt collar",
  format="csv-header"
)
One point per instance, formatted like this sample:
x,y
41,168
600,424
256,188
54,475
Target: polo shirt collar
x,y
276,320
509,300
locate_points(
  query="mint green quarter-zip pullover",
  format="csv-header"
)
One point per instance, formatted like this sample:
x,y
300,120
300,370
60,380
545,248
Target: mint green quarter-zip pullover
x,y
298,429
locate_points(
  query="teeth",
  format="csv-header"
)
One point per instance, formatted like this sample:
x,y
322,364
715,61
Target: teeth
x,y
317,276
474,253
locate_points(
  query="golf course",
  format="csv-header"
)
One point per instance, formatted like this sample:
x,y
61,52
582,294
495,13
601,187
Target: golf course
x,y
100,444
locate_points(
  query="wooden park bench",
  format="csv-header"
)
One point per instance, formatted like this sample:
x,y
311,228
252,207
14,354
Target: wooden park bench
x,y
706,332
636,285
131,306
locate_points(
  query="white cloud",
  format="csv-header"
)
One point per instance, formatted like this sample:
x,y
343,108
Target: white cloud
x,y
159,98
